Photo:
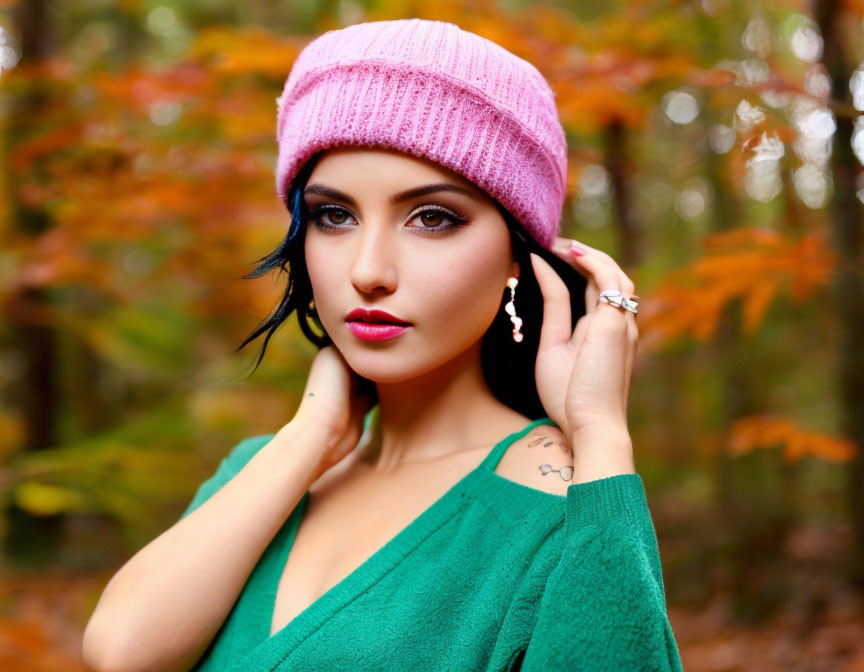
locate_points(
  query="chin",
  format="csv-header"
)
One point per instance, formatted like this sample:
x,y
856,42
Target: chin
x,y
382,366
388,364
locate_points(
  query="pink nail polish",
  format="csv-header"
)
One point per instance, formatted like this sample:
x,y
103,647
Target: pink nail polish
x,y
577,249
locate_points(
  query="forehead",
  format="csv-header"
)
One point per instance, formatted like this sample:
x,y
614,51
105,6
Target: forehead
x,y
383,170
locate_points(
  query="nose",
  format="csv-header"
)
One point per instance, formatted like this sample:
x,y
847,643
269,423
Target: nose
x,y
375,252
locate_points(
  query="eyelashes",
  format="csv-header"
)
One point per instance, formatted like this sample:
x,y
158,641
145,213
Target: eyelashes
x,y
317,216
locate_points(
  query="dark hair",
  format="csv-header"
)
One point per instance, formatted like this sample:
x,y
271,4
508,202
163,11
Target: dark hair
x,y
508,366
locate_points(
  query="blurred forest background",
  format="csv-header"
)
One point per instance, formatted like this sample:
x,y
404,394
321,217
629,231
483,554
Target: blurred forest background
x,y
716,152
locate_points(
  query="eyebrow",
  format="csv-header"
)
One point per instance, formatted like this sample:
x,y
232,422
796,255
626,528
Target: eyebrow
x,y
398,198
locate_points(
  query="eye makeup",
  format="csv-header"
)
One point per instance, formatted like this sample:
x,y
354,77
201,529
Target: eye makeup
x,y
317,217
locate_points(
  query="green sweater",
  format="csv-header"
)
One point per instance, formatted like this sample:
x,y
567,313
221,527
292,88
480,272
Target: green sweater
x,y
495,575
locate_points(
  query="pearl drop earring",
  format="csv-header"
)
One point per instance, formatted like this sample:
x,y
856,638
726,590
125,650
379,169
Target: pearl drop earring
x,y
510,309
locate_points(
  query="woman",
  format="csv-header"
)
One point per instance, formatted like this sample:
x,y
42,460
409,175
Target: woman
x,y
456,490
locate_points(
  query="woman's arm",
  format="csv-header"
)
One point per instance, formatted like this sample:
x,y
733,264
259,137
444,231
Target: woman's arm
x,y
163,607
604,606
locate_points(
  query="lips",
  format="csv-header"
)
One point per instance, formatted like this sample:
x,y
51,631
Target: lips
x,y
374,316
375,325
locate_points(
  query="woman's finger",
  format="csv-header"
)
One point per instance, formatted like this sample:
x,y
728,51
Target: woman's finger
x,y
602,272
605,273
555,329
631,363
601,276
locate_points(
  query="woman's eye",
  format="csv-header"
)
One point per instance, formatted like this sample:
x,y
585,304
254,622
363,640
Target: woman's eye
x,y
337,216
432,220
329,217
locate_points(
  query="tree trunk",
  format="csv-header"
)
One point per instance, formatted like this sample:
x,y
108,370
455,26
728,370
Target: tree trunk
x,y
847,215
32,539
616,164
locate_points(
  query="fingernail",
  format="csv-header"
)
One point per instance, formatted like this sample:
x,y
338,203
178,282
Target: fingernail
x,y
577,249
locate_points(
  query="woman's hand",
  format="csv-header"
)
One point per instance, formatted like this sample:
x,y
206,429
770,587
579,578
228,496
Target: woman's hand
x,y
583,377
333,407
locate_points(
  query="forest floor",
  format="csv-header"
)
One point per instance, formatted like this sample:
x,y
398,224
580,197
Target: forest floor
x,y
42,618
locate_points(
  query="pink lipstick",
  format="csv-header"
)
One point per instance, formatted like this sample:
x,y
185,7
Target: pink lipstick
x,y
375,325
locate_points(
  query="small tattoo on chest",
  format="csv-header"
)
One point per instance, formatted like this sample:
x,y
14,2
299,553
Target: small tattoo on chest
x,y
566,473
547,441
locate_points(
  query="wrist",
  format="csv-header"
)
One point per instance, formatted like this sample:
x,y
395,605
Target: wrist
x,y
313,424
293,456
600,453
599,433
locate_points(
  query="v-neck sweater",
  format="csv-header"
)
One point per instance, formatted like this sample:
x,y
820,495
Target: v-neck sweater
x,y
494,575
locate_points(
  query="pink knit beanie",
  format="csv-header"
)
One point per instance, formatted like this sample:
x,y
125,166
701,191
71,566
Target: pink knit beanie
x,y
434,90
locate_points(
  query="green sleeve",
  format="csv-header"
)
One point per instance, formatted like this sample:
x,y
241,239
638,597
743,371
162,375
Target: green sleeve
x,y
228,467
604,605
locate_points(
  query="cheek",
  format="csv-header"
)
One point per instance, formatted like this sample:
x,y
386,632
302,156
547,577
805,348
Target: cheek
x,y
324,275
460,296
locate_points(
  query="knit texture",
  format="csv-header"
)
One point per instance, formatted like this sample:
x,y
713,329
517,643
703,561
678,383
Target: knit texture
x,y
436,91
494,576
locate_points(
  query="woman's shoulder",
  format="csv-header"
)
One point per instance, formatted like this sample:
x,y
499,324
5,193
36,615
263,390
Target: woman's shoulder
x,y
541,459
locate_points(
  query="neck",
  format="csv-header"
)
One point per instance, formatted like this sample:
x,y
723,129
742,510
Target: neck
x,y
444,411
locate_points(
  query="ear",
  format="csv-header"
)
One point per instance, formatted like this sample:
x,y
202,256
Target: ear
x,y
514,269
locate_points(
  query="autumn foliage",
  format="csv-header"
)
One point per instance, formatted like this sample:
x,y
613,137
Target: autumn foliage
x,y
138,189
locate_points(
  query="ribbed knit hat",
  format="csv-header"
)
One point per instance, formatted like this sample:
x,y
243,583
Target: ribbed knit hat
x,y
437,91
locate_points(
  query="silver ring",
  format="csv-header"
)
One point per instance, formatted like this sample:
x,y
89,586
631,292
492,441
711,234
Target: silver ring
x,y
614,297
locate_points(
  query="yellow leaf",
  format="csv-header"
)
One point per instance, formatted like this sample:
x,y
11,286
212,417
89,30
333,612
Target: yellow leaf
x,y
42,499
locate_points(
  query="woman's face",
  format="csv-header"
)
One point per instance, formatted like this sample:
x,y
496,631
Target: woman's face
x,y
439,261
